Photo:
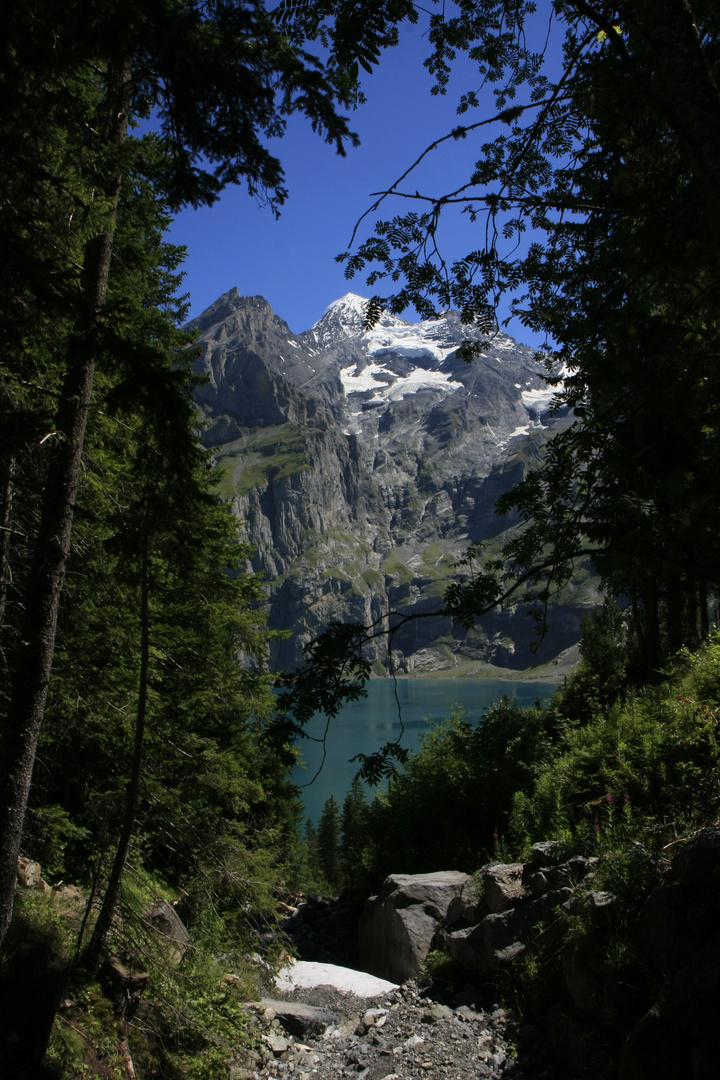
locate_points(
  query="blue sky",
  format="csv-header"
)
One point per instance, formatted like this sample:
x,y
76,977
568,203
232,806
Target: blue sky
x,y
291,261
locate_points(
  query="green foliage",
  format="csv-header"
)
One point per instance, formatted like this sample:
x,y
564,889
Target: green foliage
x,y
309,876
440,966
90,345
192,1020
40,916
270,453
51,834
393,564
208,781
471,773
354,818
648,764
214,814
596,683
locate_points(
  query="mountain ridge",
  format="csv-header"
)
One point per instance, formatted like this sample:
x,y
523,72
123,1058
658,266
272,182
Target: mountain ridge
x,y
364,461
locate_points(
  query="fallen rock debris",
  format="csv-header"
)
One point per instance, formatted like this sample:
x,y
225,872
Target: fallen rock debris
x,y
400,1035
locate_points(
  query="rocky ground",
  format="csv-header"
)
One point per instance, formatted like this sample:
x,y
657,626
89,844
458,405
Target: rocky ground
x,y
406,1034
428,1030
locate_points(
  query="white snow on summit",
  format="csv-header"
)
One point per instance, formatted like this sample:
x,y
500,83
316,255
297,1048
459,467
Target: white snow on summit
x,y
523,429
541,399
348,310
408,339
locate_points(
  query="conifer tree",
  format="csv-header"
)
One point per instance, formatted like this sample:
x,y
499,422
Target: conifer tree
x,y
312,870
353,822
72,80
329,841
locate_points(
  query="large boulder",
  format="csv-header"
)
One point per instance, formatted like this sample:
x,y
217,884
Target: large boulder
x,y
654,1050
662,932
164,919
297,1018
494,942
698,864
467,908
398,925
502,886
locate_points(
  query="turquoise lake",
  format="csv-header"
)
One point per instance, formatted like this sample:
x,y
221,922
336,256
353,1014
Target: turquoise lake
x,y
364,726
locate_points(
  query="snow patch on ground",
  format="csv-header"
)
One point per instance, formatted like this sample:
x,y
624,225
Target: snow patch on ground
x,y
305,973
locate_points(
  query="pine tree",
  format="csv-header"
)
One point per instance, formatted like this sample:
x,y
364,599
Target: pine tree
x,y
73,79
353,822
328,843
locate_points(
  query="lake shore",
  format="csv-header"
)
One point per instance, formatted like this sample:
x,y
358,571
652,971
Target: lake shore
x,y
552,672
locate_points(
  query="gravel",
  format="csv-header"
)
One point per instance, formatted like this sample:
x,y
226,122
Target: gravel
x,y
406,1034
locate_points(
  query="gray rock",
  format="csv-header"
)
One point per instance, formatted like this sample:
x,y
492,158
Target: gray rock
x,y
166,922
29,874
698,864
277,1043
467,906
397,926
494,942
578,866
695,993
558,877
538,884
299,1019
545,906
592,900
436,1012
600,992
545,853
502,886
662,932
653,1052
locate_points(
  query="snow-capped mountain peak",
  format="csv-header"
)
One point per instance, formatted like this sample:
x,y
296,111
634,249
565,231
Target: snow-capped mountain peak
x,y
345,318
350,308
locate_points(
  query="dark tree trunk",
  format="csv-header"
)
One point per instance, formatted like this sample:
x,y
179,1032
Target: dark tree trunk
x,y
107,908
6,500
703,605
34,657
651,637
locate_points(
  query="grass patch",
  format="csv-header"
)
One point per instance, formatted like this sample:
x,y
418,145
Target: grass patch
x,y
372,577
336,573
267,454
394,565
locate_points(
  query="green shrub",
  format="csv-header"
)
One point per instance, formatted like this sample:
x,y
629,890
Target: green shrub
x,y
450,806
643,765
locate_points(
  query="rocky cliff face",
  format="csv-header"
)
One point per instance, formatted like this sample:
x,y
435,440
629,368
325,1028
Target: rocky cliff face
x,y
364,462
